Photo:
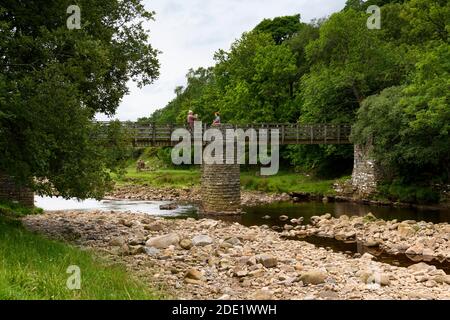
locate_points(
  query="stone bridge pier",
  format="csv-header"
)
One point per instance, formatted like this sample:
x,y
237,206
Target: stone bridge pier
x,y
10,191
221,185
366,171
221,189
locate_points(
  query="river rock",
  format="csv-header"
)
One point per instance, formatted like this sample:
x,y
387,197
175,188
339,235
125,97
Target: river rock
x,y
427,252
262,294
186,244
313,277
382,279
266,217
326,216
421,266
138,249
416,249
151,251
283,218
126,223
202,240
123,250
233,241
405,230
367,256
163,242
194,274
370,217
267,260
154,227
117,242
372,243
442,279
136,241
168,206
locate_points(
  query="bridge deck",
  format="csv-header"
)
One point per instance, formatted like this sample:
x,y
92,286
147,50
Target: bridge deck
x,y
160,134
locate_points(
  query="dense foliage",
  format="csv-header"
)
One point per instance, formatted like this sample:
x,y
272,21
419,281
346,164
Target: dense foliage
x,y
53,81
392,83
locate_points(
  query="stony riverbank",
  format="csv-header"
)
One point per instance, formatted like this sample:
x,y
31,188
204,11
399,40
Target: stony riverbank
x,y
209,259
141,192
419,240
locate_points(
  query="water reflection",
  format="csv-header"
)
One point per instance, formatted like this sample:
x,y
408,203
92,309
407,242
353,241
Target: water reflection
x,y
255,215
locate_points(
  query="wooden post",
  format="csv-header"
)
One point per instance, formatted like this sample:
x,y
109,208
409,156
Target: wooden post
x,y
154,134
339,134
134,135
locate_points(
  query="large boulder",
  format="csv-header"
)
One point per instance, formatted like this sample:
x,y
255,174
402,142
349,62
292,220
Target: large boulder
x,y
163,242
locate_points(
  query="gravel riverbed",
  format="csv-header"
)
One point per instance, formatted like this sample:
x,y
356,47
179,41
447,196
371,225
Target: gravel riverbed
x,y
211,259
141,192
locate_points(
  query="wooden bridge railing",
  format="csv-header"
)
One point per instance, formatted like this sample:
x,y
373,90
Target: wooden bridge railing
x,y
289,133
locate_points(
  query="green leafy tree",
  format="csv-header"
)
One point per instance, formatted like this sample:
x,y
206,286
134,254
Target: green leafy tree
x,y
54,80
410,125
280,28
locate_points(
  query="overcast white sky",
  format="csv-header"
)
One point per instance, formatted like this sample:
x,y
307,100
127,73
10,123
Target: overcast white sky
x,y
188,32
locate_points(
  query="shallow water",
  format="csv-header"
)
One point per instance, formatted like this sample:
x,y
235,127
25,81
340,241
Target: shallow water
x,y
259,215
254,215
148,207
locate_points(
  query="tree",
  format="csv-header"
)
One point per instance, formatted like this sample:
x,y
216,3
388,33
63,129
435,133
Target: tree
x,y
255,78
280,28
54,80
410,125
427,20
349,62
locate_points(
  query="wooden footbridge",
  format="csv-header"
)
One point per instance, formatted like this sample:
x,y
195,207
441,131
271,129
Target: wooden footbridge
x,y
289,133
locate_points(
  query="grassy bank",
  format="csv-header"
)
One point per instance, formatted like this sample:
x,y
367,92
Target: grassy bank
x,y
33,267
284,181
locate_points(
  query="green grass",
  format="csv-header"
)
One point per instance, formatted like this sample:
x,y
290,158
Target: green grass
x,y
160,178
34,267
182,178
15,209
287,182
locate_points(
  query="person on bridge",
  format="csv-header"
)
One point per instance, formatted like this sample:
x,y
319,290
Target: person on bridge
x,y
191,119
216,121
